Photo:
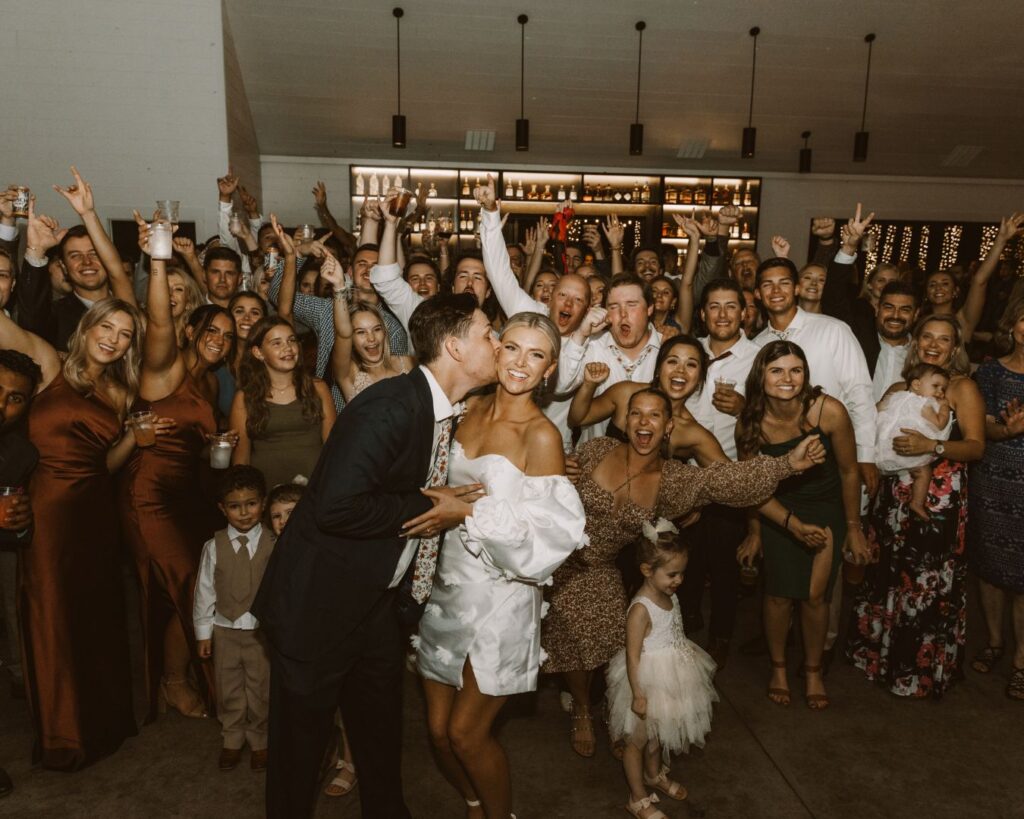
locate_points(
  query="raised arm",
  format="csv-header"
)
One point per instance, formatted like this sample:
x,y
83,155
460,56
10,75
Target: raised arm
x,y
370,216
587,409
13,337
79,196
341,354
615,233
500,275
687,295
536,259
286,295
33,292
327,220
160,346
1009,227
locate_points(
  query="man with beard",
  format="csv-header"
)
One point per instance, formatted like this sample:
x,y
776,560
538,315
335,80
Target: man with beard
x,y
894,318
716,407
569,302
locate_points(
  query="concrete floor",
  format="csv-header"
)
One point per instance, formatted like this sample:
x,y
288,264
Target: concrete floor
x,y
870,755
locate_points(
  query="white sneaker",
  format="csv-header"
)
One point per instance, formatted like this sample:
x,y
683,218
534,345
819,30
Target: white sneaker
x,y
565,698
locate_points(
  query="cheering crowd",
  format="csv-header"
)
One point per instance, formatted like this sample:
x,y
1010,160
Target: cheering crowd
x,y
314,447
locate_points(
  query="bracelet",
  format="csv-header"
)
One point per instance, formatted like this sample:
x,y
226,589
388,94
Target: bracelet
x,y
616,248
785,525
339,295
858,523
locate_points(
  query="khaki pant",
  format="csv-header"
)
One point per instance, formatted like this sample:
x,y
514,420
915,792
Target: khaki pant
x,y
242,670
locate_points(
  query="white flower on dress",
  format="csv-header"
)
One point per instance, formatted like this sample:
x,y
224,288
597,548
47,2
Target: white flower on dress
x,y
415,640
543,657
468,617
544,608
448,579
444,656
432,609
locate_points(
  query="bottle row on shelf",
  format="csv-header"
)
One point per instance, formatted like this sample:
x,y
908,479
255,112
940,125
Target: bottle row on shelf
x,y
739,194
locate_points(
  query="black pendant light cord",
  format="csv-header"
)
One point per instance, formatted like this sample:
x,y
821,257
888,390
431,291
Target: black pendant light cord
x,y
640,26
522,65
753,73
398,52
870,40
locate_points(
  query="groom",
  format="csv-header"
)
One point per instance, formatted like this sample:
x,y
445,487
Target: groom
x,y
327,601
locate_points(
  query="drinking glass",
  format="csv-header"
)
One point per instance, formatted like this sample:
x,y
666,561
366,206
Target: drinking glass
x,y
143,426
167,210
221,446
161,235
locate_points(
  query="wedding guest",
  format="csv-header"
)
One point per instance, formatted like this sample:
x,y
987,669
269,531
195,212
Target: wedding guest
x,y
812,519
585,627
920,568
995,539
246,308
471,649
78,677
165,515
281,414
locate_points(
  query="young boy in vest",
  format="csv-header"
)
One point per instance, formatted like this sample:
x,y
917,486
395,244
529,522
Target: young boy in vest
x,y
230,572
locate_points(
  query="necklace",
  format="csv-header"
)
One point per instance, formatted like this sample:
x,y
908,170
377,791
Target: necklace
x,y
629,478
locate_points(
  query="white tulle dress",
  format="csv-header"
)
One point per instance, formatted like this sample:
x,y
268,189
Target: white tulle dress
x,y
903,410
486,603
675,674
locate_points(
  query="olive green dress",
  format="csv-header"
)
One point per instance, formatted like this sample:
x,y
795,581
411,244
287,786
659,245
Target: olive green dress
x,y
289,446
816,497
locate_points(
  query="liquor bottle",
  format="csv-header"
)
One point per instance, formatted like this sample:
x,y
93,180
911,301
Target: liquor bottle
x,y
664,228
465,186
561,193
470,222
532,194
745,234
385,184
608,193
588,195
645,194
573,195
509,191
617,196
734,231
686,196
637,195
519,190
432,192
360,185
671,196
462,221
546,195
478,181
700,196
747,197
736,198
374,186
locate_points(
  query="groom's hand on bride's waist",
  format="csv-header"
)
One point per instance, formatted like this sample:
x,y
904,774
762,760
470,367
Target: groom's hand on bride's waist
x,y
452,505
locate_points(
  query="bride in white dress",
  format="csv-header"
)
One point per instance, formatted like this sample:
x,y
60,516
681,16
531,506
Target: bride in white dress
x,y
479,639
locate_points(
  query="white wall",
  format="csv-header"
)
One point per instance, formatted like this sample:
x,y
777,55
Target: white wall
x,y
788,201
131,91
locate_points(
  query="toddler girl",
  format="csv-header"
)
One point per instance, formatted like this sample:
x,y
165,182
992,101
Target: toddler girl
x,y
921,407
659,686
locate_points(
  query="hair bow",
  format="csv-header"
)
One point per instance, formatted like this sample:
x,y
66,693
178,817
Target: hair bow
x,y
660,526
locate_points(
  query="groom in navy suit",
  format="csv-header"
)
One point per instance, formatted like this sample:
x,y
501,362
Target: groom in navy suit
x,y
327,603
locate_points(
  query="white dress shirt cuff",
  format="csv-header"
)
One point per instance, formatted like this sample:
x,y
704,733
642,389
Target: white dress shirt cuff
x,y
845,258
8,233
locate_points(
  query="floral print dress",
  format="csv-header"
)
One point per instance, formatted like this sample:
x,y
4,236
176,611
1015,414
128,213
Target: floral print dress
x,y
909,619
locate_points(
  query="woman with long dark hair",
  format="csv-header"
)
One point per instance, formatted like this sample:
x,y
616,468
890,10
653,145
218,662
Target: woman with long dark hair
x,y
811,518
281,414
77,667
165,515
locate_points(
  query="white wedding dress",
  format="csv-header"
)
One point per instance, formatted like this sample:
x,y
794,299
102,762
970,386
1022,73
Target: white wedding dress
x,y
486,603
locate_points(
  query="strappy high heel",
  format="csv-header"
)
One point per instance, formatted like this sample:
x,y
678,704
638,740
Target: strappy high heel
x,y
196,710
780,696
816,702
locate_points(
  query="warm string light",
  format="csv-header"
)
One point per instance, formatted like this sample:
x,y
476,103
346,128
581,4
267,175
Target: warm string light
x,y
888,244
988,238
637,238
906,239
871,254
950,246
922,248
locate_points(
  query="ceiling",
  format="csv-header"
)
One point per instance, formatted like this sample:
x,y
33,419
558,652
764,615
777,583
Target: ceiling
x,y
320,77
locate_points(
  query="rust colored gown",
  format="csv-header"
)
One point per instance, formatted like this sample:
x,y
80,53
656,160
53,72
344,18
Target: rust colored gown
x,y
77,666
166,519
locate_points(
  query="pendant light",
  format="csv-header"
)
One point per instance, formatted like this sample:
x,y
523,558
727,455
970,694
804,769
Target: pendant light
x,y
860,139
398,120
805,153
750,132
636,130
522,124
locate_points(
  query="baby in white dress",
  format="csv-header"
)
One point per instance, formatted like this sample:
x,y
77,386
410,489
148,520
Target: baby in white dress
x,y
921,407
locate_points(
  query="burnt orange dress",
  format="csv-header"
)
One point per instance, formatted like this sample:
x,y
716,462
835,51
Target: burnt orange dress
x,y
77,666
166,519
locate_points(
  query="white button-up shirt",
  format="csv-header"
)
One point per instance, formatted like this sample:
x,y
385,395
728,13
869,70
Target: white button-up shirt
x,y
889,367
838,366
204,605
735,364
443,410
575,357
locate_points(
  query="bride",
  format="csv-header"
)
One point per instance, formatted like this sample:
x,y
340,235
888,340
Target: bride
x,y
479,639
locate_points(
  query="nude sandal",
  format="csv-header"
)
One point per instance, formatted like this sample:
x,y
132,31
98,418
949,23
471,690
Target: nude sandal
x,y
634,808
780,696
340,786
667,786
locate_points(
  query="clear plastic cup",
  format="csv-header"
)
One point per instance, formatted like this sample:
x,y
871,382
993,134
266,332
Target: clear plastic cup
x,y
235,224
161,244
725,384
167,210
8,495
306,232
221,446
143,425
21,200
852,572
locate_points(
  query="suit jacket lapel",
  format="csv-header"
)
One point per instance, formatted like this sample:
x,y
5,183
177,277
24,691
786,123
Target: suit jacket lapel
x,y
424,424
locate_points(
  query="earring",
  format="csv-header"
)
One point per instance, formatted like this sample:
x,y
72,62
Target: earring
x,y
545,387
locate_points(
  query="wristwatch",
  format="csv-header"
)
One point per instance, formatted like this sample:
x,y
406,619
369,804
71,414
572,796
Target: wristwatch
x,y
940,448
